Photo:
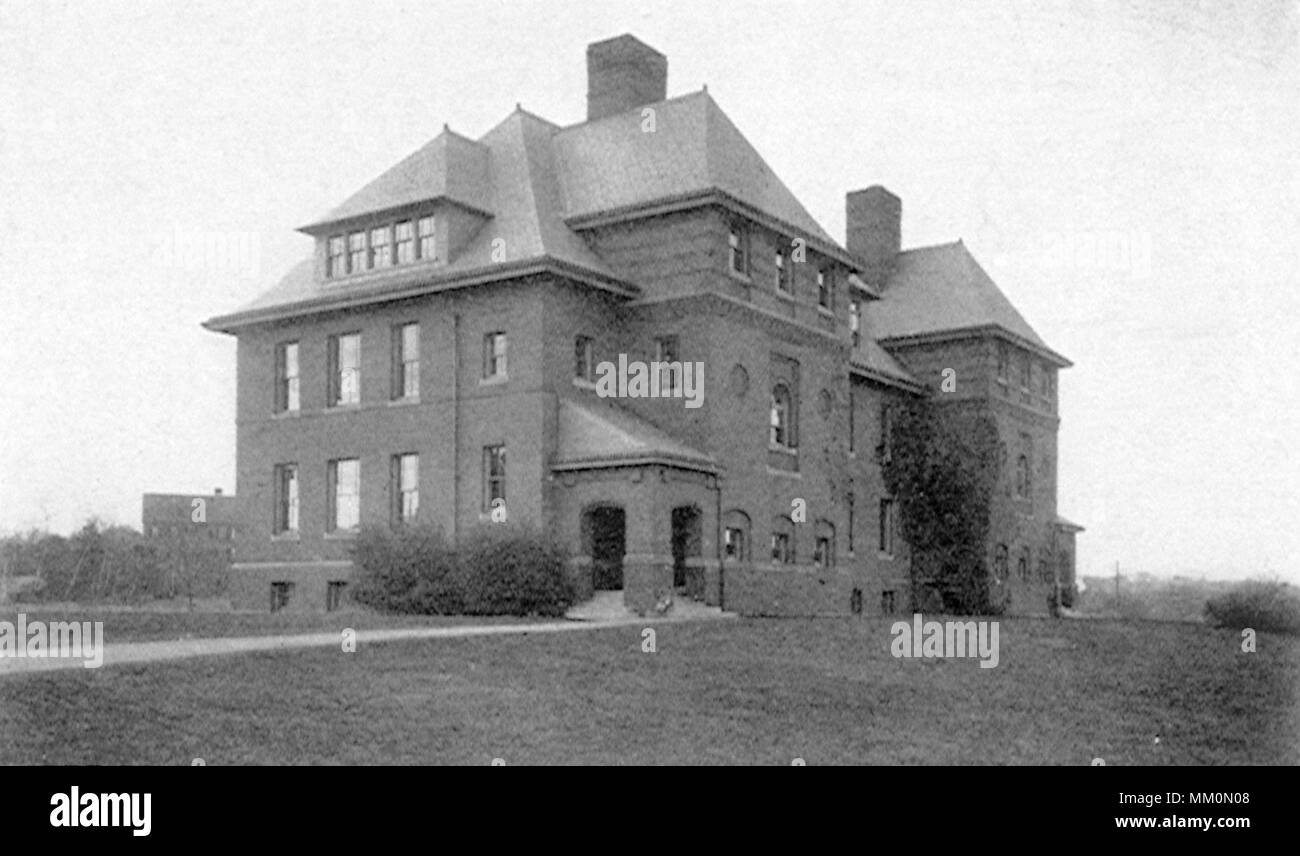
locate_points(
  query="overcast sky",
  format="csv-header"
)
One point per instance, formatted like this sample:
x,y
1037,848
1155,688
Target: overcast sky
x,y
1127,172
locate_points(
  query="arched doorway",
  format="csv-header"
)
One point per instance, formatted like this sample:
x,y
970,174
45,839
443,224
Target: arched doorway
x,y
605,536
688,535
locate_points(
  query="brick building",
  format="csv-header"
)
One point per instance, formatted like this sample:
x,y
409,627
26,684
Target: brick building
x,y
438,355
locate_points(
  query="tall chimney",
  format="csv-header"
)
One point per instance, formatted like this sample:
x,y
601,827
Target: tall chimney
x,y
624,73
875,234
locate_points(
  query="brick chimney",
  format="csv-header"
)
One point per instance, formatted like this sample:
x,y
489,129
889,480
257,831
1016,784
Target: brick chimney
x,y
874,226
624,73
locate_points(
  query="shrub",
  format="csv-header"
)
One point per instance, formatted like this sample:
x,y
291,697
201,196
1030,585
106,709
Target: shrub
x,y
498,569
508,569
404,570
1258,604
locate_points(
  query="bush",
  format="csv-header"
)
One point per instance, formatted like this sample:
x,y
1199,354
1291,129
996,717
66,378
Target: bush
x,y
1258,604
507,569
498,569
404,570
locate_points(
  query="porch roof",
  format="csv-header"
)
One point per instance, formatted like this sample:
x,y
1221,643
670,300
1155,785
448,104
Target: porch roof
x,y
598,433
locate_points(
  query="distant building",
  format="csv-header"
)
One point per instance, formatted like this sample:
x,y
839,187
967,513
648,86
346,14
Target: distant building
x,y
209,519
436,358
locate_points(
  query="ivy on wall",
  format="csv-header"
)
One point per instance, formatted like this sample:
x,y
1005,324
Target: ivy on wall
x,y
942,469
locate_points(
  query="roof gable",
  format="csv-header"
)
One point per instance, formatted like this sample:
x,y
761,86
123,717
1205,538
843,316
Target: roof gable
x,y
447,167
943,289
614,163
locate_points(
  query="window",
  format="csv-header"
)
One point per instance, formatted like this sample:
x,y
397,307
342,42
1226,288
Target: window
x,y
850,500
381,248
1024,371
334,594
406,487
1022,564
280,594
733,544
405,236
887,602
338,257
356,252
886,429
344,479
1044,569
584,363
1002,361
406,361
738,247
784,271
345,369
822,553
1000,559
780,417
824,287
782,551
286,377
887,527
286,499
855,321
494,355
494,476
428,245
670,367
1022,477
853,406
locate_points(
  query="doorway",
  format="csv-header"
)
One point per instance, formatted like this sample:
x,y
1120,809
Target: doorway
x,y
687,544
606,535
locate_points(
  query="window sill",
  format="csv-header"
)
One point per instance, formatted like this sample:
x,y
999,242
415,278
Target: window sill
x,y
405,401
785,295
583,383
347,535
286,414
885,557
830,313
793,451
741,277
494,380
285,536
344,406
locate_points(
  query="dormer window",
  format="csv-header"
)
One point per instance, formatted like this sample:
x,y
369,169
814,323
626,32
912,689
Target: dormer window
x,y
428,247
338,256
356,252
405,241
400,242
381,248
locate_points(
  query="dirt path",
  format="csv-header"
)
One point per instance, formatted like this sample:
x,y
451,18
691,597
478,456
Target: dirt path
x,y
148,652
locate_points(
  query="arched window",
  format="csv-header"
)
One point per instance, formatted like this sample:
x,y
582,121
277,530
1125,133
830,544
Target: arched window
x,y
1000,558
782,541
1022,565
780,416
735,536
824,550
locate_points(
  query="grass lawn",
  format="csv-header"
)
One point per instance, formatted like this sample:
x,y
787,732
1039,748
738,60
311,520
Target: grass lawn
x,y
746,691
122,625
